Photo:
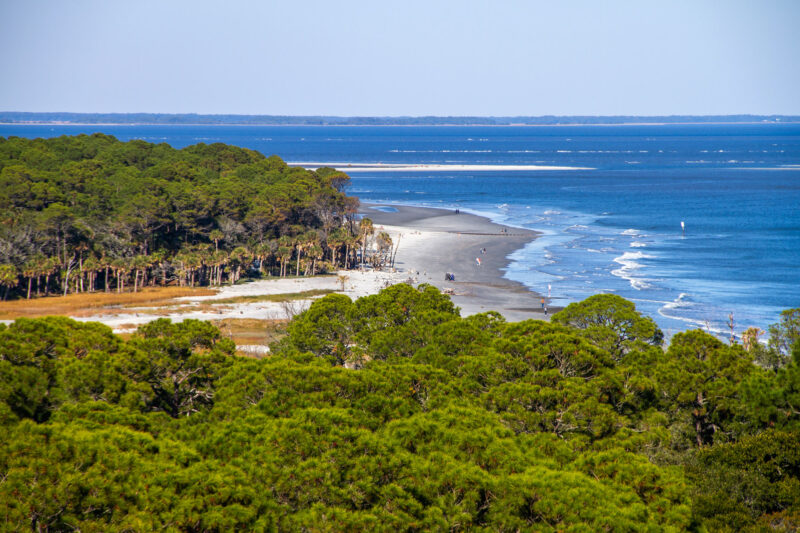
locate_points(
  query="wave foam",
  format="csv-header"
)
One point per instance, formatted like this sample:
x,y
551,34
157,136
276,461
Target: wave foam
x,y
683,300
629,263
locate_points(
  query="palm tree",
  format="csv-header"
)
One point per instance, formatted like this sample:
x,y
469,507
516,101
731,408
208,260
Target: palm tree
x,y
308,240
194,261
335,241
316,252
284,252
104,264
120,267
48,267
180,262
238,257
217,260
91,266
350,241
9,277
216,236
30,270
42,264
262,252
158,259
139,264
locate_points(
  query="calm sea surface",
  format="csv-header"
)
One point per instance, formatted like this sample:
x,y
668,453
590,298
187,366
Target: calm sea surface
x,y
614,228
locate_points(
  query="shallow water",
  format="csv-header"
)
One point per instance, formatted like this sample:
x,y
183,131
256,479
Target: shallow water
x,y
615,228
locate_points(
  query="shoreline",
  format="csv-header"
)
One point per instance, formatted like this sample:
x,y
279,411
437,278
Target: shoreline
x,y
434,241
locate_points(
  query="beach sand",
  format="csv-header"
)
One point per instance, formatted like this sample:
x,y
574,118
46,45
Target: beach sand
x,y
436,241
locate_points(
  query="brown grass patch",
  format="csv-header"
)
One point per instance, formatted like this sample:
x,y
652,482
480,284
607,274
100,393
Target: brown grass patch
x,y
251,330
87,304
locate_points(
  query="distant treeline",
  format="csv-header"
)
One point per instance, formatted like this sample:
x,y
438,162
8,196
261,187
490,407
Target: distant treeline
x,y
314,120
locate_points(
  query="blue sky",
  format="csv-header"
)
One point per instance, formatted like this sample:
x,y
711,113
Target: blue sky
x,y
408,57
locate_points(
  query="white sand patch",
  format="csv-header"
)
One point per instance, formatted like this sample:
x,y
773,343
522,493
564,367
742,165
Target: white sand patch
x,y
392,167
253,349
356,285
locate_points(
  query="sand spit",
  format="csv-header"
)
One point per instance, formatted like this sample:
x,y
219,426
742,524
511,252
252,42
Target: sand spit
x,y
392,167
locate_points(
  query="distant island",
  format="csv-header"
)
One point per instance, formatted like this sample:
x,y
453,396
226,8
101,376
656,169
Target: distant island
x,y
15,117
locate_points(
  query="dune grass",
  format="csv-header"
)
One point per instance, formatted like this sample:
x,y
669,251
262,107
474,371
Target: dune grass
x,y
87,304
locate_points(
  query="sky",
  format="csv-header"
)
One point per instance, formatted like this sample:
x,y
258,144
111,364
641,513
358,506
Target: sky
x,y
392,58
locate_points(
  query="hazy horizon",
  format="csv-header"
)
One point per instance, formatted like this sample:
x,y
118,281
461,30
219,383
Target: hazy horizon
x,y
373,59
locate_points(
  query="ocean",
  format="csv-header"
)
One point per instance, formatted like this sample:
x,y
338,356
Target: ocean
x,y
613,226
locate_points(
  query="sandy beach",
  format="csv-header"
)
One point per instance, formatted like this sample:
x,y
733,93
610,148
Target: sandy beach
x,y
436,241
430,242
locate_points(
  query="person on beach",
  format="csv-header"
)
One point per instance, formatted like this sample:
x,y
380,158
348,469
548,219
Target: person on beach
x,y
478,259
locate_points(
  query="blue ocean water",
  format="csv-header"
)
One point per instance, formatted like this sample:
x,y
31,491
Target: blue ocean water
x,y
613,228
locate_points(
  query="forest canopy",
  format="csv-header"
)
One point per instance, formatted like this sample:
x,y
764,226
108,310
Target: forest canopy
x,y
394,413
89,212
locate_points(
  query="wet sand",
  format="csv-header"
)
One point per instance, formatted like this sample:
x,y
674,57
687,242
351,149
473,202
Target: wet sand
x,y
436,241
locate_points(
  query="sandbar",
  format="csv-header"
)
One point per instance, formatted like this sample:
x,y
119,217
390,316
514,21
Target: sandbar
x,y
424,167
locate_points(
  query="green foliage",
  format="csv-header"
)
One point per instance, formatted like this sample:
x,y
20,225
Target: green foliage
x,y
700,381
612,323
771,399
393,413
85,203
393,323
784,335
740,482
